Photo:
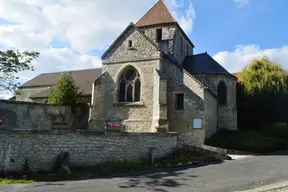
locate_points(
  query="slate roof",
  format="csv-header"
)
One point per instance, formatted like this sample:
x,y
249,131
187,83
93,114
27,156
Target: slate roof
x,y
203,63
158,14
83,79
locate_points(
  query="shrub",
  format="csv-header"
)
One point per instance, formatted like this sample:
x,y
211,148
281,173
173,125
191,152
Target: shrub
x,y
250,141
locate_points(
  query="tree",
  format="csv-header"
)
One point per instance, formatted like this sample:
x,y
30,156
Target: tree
x,y
66,92
264,75
11,63
262,96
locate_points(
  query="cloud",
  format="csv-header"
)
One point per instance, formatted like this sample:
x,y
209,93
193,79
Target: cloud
x,y
242,55
83,25
242,3
185,18
66,31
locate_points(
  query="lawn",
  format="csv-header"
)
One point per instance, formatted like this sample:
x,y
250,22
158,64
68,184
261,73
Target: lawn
x,y
13,181
249,140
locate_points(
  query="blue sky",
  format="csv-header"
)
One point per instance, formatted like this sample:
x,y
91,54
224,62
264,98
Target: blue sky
x,y
72,35
220,25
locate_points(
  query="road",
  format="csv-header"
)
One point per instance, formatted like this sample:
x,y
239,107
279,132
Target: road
x,y
229,176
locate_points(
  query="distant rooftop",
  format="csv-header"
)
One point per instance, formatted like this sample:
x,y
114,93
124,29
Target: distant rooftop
x,y
83,79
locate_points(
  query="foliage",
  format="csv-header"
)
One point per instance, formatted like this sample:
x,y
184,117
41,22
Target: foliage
x,y
264,75
11,63
277,130
66,92
262,94
244,140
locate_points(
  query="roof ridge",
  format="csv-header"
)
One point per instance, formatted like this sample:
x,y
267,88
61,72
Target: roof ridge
x,y
71,71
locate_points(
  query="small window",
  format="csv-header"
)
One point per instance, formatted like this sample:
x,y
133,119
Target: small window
x,y
187,49
130,44
159,34
179,103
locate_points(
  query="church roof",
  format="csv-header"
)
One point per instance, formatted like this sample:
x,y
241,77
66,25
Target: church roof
x,y
203,64
82,78
158,14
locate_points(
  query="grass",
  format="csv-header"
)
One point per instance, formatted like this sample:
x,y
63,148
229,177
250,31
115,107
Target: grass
x,y
247,140
14,181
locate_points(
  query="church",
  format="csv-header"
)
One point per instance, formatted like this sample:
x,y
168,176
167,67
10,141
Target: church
x,y
150,77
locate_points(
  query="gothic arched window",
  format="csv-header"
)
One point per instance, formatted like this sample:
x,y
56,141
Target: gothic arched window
x,y
222,93
129,86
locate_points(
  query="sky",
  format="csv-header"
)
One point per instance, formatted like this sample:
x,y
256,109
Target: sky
x,y
73,34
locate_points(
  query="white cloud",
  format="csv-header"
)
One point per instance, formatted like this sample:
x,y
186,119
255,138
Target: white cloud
x,y
242,3
185,18
81,26
243,54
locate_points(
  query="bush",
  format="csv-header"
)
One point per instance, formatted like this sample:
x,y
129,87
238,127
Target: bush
x,y
277,130
244,140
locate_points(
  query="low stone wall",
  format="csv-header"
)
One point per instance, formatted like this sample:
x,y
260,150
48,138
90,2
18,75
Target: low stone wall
x,y
85,147
24,115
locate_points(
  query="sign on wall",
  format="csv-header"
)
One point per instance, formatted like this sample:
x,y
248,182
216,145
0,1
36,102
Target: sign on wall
x,y
197,123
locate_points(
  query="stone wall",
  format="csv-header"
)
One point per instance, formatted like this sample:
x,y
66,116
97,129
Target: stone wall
x,y
211,110
227,114
85,148
181,121
171,41
25,115
145,58
25,93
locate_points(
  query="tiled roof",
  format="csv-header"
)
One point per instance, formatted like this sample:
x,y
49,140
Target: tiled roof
x,y
83,79
203,64
158,14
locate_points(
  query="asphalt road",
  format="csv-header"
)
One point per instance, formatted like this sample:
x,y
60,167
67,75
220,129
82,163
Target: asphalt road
x,y
229,176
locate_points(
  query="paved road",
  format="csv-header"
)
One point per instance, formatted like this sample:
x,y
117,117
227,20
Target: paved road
x,y
228,176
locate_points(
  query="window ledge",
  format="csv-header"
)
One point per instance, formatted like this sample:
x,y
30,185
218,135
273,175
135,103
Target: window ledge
x,y
141,103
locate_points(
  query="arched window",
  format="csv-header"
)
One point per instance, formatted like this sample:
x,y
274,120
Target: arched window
x,y
129,86
222,93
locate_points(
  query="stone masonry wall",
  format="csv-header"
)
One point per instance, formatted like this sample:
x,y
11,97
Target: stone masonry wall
x,y
85,148
25,115
181,121
227,114
171,41
145,58
211,110
25,93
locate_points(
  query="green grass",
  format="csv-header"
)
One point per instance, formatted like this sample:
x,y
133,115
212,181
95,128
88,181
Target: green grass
x,y
14,181
247,140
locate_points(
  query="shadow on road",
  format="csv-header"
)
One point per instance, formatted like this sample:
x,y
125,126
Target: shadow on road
x,y
157,181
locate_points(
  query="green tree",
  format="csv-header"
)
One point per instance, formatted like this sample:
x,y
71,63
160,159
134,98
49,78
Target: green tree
x,y
11,63
66,92
262,96
264,75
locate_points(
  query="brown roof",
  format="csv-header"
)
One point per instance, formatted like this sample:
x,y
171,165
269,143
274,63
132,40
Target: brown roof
x,y
83,79
238,75
158,14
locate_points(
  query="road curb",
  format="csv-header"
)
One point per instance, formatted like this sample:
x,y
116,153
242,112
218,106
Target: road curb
x,y
269,188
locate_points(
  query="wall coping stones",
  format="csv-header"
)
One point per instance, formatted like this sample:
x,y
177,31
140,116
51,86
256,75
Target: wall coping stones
x,y
86,132
25,103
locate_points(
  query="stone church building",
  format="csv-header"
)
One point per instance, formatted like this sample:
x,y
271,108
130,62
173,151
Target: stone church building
x,y
151,77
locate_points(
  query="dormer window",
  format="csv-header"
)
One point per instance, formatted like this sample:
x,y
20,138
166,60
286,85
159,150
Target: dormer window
x,y
159,34
130,44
